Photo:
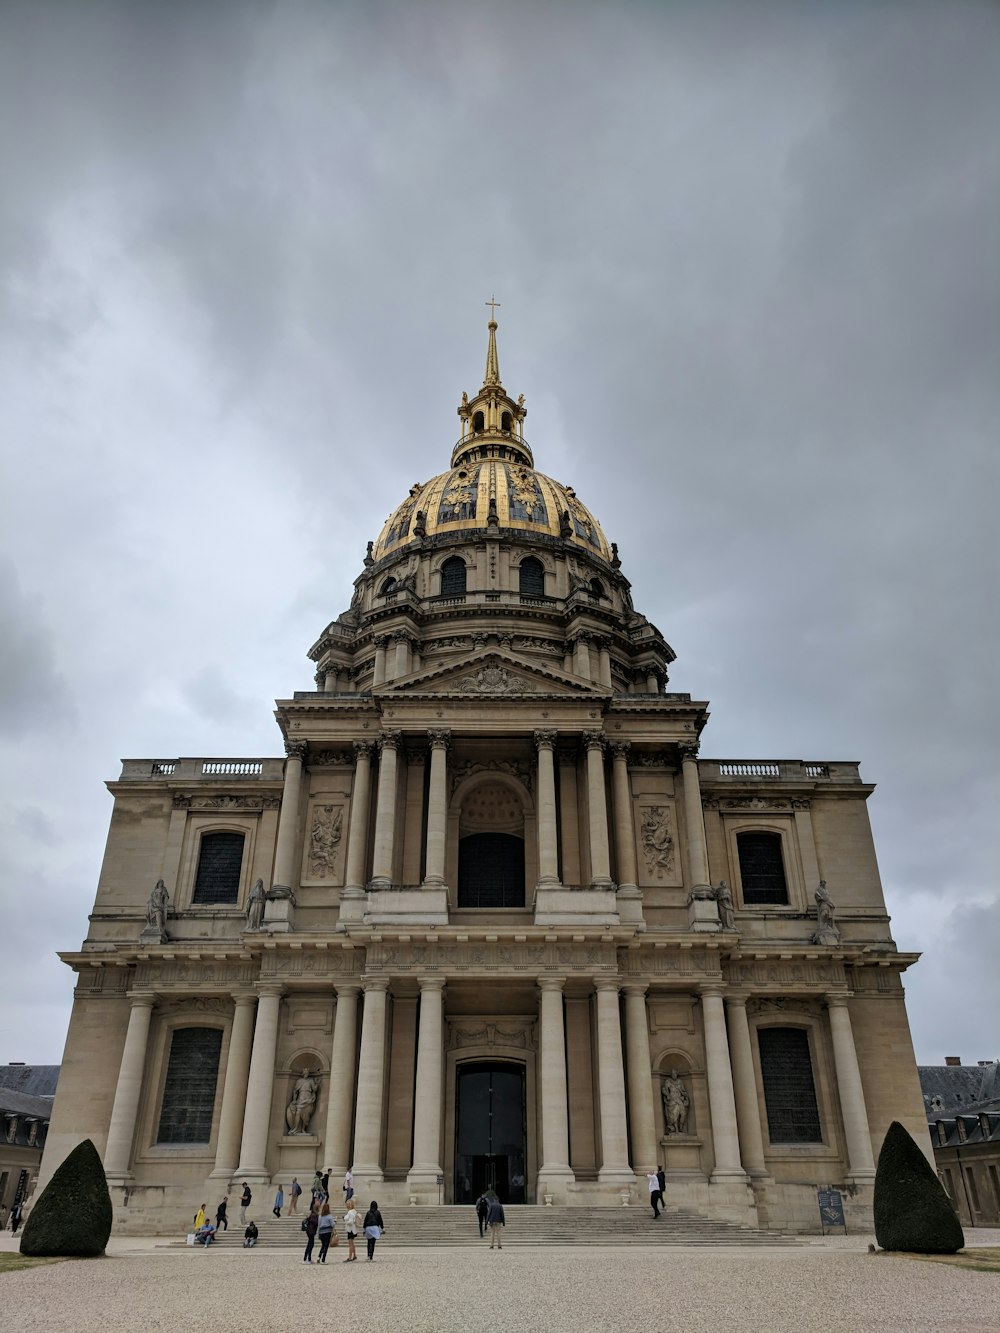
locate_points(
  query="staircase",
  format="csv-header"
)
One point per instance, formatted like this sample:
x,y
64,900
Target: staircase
x,y
527,1224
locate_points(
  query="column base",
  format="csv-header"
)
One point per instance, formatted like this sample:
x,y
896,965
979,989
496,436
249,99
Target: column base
x,y
424,906
621,1176
352,906
223,1173
703,911
559,906
862,1178
423,1186
253,1175
553,1183
629,902
367,1179
279,910
723,1175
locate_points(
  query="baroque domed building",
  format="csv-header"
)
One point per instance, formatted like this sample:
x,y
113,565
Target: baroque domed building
x,y
491,921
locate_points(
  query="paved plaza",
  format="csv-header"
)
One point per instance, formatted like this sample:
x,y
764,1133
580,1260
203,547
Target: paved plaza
x,y
833,1284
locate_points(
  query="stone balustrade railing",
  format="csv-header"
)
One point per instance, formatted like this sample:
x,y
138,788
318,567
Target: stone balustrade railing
x,y
203,770
786,770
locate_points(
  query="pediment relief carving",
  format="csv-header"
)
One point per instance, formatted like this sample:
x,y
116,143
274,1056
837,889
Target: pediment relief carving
x,y
490,674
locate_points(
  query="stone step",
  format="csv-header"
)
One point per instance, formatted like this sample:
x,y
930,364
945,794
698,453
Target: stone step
x,y
528,1225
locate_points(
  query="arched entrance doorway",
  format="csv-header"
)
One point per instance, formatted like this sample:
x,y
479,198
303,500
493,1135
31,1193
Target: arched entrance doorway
x,y
491,847
489,1131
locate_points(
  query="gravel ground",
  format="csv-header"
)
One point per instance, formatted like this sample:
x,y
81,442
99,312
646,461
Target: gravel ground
x,y
821,1286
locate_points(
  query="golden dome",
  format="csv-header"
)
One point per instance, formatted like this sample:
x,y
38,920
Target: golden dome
x,y
460,500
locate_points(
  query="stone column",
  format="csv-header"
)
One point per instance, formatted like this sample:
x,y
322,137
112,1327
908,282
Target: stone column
x,y
288,818
554,1173
581,656
861,1163
548,849
429,1091
378,673
568,657
337,1143
603,663
437,808
652,683
615,1169
385,809
121,1131
234,1088
260,1086
697,846
721,1098
640,1079
807,843
371,1085
569,817
624,827
745,1087
357,835
597,810
402,667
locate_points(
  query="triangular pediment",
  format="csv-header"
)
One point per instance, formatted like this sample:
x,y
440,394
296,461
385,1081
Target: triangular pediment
x,y
491,673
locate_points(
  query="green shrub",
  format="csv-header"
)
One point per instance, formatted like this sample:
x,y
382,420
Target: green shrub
x,y
72,1215
912,1211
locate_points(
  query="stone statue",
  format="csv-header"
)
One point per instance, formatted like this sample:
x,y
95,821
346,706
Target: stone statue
x,y
676,1103
255,906
300,1109
724,898
826,931
156,910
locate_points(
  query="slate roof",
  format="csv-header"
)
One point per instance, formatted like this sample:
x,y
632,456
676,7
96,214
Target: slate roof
x,y
33,1080
961,1088
22,1104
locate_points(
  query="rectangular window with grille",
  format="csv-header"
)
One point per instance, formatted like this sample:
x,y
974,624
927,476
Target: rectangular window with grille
x,y
789,1089
189,1089
220,863
762,868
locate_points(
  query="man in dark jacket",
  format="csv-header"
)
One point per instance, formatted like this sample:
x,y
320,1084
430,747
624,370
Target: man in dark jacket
x,y
482,1208
662,1182
495,1220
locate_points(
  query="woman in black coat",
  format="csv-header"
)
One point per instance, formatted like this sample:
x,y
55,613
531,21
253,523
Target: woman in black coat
x,y
373,1228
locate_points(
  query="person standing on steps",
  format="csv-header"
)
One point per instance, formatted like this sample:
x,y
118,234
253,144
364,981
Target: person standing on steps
x,y
352,1225
348,1186
326,1231
221,1220
279,1201
325,1184
245,1198
495,1220
654,1191
293,1196
310,1225
661,1180
374,1227
482,1208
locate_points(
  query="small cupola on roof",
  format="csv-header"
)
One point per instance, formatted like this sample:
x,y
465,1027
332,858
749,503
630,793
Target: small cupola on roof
x,y
492,422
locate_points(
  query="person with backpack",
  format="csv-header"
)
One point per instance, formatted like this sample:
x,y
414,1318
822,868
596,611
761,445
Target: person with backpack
x,y
310,1225
482,1208
374,1227
293,1195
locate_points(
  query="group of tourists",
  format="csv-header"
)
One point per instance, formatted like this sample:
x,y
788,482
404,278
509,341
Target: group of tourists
x,y
319,1222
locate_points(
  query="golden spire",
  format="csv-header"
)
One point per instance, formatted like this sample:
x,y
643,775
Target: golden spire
x,y
492,362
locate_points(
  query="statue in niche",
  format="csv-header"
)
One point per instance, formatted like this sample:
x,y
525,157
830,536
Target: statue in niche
x,y
156,910
657,841
676,1104
300,1109
255,906
724,899
826,931
324,840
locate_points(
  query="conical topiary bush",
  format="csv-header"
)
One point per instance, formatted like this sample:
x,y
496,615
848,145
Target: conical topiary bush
x,y
72,1215
912,1211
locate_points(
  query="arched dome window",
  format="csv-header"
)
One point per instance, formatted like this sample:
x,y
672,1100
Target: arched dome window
x,y
597,588
531,578
478,423
453,577
506,422
387,587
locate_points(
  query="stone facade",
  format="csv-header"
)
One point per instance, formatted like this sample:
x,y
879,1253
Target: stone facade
x,y
491,852
26,1093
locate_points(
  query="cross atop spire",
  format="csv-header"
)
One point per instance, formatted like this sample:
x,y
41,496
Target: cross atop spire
x,y
492,361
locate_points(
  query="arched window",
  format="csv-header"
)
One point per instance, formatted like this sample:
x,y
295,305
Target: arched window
x,y
453,576
478,423
220,862
597,588
789,1089
506,422
189,1088
387,587
762,869
491,870
531,578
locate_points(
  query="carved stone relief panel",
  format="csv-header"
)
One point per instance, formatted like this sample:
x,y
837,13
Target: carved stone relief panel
x,y
490,957
509,1031
657,844
323,857
789,972
194,975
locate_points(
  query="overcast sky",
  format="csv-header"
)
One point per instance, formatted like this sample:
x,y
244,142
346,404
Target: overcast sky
x,y
747,259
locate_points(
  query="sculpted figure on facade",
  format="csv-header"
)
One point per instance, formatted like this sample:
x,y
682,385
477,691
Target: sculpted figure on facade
x,y
827,931
255,906
157,908
324,839
300,1109
724,898
657,841
676,1104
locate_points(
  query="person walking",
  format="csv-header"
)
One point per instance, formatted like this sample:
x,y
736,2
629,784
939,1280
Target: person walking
x,y
482,1208
326,1230
221,1220
310,1225
16,1217
199,1218
279,1201
293,1196
250,1236
495,1220
348,1185
654,1192
661,1180
317,1186
245,1198
374,1227
325,1185
352,1224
